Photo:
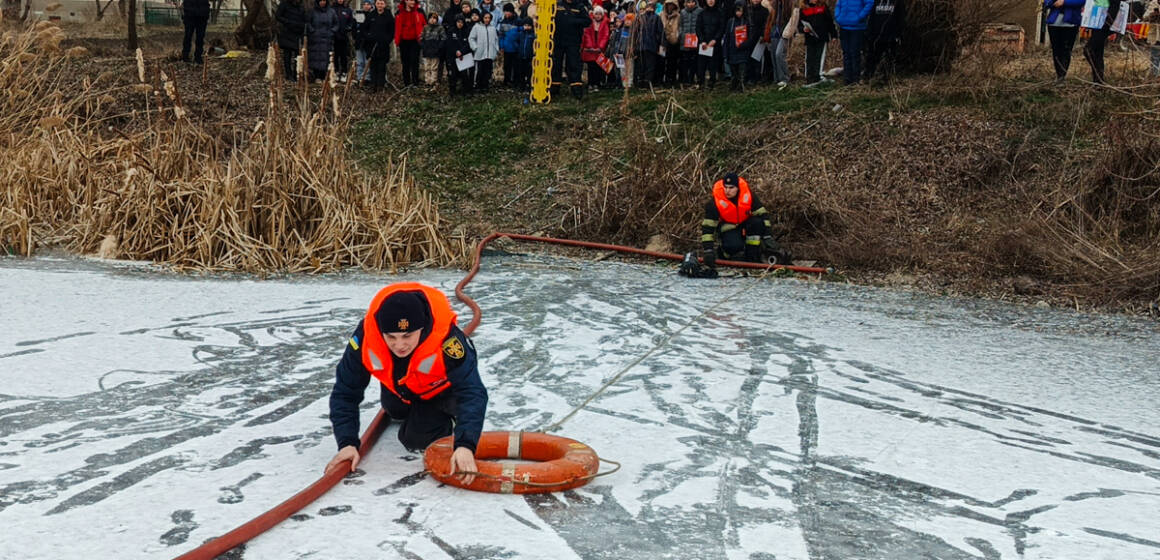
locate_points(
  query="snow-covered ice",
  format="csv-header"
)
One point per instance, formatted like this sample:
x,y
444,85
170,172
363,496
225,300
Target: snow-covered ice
x,y
143,413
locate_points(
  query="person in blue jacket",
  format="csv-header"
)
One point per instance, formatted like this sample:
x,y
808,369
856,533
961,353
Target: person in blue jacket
x,y
527,52
1063,19
428,371
851,17
510,30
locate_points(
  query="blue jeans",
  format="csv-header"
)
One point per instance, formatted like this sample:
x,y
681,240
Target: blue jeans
x,y
360,65
852,53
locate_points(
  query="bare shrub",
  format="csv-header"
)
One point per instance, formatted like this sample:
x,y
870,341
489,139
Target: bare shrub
x,y
1101,230
937,31
653,191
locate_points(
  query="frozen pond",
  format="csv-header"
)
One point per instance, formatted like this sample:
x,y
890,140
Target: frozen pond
x,y
141,414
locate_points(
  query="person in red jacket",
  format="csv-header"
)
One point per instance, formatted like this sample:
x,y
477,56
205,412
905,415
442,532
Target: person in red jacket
x,y
408,30
592,44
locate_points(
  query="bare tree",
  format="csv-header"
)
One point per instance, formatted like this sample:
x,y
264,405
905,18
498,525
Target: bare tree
x,y
257,29
133,43
100,10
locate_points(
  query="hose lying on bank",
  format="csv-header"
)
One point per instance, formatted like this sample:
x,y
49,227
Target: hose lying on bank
x,y
260,524
590,245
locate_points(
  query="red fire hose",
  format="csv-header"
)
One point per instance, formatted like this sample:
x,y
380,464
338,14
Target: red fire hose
x,y
265,521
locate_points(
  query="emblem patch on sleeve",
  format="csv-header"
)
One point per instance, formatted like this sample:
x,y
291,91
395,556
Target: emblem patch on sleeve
x,y
354,343
453,348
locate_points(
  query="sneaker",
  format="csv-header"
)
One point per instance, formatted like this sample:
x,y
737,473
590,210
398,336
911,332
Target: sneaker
x,y
781,85
342,79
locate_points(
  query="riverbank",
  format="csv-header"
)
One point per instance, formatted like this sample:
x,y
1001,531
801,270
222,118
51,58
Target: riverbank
x,y
989,181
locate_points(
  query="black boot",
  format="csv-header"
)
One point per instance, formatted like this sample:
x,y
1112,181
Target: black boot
x,y
578,91
753,253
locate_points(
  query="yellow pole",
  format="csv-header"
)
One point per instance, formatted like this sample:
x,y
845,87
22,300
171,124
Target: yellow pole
x,y
542,61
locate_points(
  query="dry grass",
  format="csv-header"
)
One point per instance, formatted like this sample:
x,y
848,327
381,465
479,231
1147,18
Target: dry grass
x,y
988,184
647,193
287,198
1100,231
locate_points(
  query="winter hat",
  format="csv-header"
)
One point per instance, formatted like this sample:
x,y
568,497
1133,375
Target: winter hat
x,y
403,312
731,179
508,7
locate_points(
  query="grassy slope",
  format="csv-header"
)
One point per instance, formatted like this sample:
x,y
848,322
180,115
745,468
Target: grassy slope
x,y
931,177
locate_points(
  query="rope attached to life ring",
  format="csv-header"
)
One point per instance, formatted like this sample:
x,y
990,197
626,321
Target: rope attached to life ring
x,y
515,480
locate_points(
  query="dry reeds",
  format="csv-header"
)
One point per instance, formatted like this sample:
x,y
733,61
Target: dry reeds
x,y
287,199
650,193
1101,230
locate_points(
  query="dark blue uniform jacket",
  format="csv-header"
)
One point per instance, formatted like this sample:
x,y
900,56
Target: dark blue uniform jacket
x,y
352,378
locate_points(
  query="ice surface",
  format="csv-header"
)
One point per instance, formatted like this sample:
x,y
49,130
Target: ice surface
x,y
142,413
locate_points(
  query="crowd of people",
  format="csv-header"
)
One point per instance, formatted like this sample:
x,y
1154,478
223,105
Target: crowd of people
x,y
665,43
647,42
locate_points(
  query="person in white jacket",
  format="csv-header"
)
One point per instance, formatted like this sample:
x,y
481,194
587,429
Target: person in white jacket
x,y
484,44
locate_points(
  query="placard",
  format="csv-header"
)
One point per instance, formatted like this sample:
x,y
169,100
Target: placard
x,y
465,62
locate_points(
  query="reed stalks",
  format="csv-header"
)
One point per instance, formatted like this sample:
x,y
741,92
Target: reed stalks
x,y
287,198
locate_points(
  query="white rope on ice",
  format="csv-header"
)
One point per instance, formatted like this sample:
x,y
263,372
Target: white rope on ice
x,y
556,425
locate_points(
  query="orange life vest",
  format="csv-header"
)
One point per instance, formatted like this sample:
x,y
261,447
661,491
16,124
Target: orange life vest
x,y
730,212
426,374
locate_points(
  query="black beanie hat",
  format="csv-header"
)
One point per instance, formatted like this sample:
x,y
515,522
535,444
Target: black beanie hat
x,y
403,312
731,179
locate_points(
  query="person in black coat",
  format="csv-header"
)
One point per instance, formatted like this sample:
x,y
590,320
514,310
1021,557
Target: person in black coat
x,y
739,39
882,32
453,10
195,16
320,38
342,38
710,28
378,33
292,25
571,19
1093,51
756,14
650,35
456,46
817,24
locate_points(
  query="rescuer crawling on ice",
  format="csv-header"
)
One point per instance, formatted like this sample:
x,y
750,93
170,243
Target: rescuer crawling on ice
x,y
427,367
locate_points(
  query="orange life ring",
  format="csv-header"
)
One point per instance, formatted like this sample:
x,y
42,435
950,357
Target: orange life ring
x,y
561,463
